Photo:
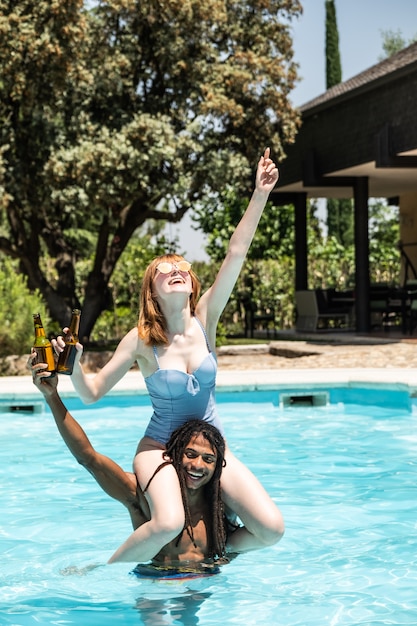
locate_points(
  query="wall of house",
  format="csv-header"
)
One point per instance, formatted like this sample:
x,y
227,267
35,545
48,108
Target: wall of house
x,y
342,131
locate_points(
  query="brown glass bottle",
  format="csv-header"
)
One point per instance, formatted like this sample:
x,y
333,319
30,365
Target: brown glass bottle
x,y
67,357
42,345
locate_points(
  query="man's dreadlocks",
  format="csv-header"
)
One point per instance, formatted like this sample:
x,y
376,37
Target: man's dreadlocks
x,y
176,446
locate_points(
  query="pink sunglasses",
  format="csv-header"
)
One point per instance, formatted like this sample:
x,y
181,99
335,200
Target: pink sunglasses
x,y
166,268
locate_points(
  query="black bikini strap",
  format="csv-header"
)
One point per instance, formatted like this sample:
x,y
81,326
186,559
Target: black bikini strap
x,y
155,472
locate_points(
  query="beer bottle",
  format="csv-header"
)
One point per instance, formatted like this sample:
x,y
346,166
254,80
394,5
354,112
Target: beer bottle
x,y
67,356
42,345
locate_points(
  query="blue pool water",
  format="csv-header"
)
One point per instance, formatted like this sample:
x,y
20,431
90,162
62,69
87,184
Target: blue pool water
x,y
343,474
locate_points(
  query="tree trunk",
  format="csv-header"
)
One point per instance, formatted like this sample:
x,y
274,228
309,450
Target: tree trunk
x,y
97,299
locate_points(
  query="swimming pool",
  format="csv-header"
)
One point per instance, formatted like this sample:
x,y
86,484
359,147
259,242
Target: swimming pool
x,y
343,474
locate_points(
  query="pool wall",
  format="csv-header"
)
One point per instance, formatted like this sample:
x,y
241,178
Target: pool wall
x,y
19,394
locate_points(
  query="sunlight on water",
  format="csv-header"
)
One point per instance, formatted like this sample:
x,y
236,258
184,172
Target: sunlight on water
x,y
344,476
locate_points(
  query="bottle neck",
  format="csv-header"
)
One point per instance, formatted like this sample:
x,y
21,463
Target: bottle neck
x,y
74,325
39,329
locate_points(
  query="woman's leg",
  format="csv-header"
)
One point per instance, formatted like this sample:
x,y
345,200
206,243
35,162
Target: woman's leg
x,y
167,511
244,494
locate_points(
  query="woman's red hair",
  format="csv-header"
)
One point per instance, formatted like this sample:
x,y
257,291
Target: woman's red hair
x,y
152,325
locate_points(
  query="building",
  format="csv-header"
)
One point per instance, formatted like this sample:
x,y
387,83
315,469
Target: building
x,y
358,140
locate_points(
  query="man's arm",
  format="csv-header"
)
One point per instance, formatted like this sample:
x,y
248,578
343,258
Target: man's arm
x,y
112,479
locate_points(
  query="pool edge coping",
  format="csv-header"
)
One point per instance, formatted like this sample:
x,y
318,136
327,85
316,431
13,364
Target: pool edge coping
x,y
14,387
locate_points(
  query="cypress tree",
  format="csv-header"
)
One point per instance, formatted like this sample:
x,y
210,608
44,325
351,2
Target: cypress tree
x,y
333,64
339,212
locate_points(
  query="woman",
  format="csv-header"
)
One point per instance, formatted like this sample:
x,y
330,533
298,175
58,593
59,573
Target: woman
x,y
173,347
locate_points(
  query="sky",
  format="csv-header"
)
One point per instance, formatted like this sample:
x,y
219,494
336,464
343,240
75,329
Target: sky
x,y
360,25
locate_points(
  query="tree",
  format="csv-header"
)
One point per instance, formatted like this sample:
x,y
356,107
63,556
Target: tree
x,y
128,111
274,236
264,281
333,63
16,330
339,212
393,42
384,235
340,220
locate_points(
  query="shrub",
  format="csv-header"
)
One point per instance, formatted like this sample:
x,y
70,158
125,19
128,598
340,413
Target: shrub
x,y
17,304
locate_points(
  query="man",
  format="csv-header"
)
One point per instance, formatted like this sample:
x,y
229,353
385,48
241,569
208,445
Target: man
x,y
197,452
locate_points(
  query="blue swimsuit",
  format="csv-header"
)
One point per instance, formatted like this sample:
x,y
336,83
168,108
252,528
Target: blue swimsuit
x,y
178,397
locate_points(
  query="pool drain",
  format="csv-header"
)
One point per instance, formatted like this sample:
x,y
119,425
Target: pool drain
x,y
21,407
320,398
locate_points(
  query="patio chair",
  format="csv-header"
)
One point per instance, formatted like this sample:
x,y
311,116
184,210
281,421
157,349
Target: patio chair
x,y
314,313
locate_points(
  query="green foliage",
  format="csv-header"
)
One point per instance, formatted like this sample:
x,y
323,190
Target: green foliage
x,y
274,288
116,112
219,217
18,304
113,325
122,311
267,277
339,212
331,265
384,235
206,272
340,220
393,42
267,282
333,63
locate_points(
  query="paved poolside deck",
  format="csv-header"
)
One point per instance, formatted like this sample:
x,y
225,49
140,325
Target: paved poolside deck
x,y
15,388
310,361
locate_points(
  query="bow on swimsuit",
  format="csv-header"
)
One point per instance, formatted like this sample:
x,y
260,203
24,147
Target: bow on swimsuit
x,y
178,397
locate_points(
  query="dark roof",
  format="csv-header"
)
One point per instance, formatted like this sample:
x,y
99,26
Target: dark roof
x,y
386,70
359,128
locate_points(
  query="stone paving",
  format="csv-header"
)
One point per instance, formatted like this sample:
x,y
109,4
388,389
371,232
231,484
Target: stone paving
x,y
307,361
326,352
354,353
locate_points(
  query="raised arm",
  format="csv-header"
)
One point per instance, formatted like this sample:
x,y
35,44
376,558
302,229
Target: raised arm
x,y
212,303
117,483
